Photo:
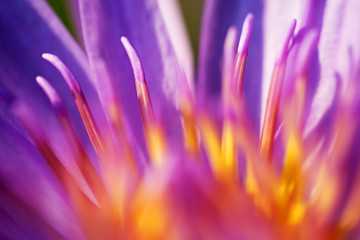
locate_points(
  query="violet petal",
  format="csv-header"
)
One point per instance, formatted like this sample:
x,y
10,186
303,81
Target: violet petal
x,y
28,29
218,16
338,54
25,178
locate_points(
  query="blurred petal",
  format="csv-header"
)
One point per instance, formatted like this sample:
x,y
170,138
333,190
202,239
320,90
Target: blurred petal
x,y
270,22
339,51
172,16
277,15
30,191
104,22
73,7
28,29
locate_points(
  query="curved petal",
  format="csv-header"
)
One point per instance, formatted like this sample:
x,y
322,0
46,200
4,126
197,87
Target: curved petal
x,y
277,15
104,23
28,29
30,194
73,8
339,51
170,11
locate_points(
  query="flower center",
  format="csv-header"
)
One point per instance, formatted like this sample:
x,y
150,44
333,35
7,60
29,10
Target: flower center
x,y
299,194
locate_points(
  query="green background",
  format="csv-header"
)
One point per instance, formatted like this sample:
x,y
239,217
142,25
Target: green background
x,y
191,11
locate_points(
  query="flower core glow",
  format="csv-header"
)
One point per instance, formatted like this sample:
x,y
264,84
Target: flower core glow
x,y
224,182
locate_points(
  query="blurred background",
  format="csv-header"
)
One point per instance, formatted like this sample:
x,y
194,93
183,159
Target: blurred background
x,y
191,10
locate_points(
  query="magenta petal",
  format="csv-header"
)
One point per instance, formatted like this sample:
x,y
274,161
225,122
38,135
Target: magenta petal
x,y
104,23
29,190
28,29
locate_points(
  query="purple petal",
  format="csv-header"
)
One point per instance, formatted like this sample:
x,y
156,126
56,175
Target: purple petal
x,y
170,11
29,190
270,21
339,50
310,15
277,14
28,29
104,23
73,7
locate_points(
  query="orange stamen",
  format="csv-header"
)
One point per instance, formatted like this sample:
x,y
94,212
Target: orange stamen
x,y
154,133
83,107
273,102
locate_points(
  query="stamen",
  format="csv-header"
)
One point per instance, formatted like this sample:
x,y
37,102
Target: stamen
x,y
273,101
118,123
228,149
293,108
232,86
290,189
154,134
65,72
297,92
67,180
187,109
86,167
228,67
141,87
83,107
50,92
211,141
190,131
260,180
242,53
291,185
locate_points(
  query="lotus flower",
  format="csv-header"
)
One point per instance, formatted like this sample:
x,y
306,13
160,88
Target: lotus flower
x,y
122,140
